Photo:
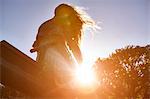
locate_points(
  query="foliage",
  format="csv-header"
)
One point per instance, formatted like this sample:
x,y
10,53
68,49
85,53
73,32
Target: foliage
x,y
126,73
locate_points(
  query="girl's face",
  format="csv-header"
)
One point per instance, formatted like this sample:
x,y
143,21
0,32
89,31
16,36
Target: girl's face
x,y
66,16
64,19
68,20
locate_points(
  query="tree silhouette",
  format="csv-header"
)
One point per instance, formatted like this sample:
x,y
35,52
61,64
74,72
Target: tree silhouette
x,y
126,73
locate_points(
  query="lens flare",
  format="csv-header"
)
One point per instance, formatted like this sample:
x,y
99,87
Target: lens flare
x,y
84,75
85,78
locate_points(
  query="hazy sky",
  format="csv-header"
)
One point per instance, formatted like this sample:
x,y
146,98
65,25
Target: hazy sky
x,y
123,22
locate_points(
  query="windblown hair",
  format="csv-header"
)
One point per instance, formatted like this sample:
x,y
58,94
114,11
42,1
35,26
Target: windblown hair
x,y
76,20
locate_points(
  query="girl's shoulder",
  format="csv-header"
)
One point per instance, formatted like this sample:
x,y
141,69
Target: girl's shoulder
x,y
50,27
47,23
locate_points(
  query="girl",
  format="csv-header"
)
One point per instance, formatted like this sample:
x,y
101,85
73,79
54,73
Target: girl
x,y
58,42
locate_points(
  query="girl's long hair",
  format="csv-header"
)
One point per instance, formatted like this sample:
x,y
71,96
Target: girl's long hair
x,y
76,21
73,20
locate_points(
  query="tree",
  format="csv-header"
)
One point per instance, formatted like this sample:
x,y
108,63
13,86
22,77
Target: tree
x,y
126,73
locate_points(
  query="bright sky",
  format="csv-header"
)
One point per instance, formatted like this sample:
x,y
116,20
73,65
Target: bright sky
x,y
123,22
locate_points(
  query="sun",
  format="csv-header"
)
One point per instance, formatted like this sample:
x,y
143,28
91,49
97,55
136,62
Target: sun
x,y
85,78
84,75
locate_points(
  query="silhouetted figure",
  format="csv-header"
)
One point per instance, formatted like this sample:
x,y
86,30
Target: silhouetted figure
x,y
58,42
